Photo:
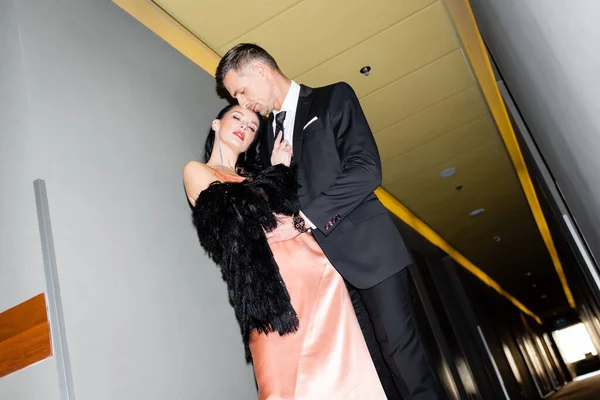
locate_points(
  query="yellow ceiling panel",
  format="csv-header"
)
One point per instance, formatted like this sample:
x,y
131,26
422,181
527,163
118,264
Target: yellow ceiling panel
x,y
495,257
510,269
499,209
463,202
452,227
421,89
430,123
434,194
519,223
391,54
427,194
459,227
512,241
314,31
217,22
442,148
482,162
517,229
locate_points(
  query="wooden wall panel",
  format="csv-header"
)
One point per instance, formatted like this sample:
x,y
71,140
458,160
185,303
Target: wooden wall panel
x,y
24,335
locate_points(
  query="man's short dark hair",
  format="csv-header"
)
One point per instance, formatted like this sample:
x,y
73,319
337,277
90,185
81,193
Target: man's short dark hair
x,y
240,56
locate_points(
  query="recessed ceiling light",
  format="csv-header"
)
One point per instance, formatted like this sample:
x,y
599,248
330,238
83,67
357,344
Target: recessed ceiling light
x,y
543,296
477,213
365,70
497,239
448,172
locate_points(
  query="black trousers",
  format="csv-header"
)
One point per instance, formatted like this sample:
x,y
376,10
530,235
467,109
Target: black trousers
x,y
388,308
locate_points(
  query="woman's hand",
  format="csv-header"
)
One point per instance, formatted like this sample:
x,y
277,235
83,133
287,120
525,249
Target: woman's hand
x,y
285,230
282,152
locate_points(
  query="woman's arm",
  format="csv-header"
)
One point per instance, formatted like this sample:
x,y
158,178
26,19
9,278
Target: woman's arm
x,y
279,184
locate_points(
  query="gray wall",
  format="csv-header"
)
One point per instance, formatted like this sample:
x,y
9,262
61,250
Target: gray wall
x,y
547,52
108,114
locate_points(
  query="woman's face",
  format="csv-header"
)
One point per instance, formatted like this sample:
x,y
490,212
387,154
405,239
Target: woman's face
x,y
237,128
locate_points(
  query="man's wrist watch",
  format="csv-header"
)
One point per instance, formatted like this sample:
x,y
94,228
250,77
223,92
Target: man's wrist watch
x,y
300,224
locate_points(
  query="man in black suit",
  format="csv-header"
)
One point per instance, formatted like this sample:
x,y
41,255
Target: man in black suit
x,y
338,170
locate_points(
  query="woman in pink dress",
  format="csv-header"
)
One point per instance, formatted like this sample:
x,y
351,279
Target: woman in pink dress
x,y
295,314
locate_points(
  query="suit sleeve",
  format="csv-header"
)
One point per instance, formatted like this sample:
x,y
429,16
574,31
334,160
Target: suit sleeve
x,y
361,166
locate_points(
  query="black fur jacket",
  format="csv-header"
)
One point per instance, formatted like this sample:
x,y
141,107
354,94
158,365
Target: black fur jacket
x,y
231,219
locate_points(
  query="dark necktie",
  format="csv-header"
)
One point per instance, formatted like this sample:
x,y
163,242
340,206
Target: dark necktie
x,y
279,118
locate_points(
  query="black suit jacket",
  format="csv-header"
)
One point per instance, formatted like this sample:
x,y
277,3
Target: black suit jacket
x,y
338,170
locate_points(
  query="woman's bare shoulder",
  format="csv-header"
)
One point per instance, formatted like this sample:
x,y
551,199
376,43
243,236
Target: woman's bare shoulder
x,y
197,176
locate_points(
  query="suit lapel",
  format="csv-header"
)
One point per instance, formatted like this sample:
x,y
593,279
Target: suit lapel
x,y
301,119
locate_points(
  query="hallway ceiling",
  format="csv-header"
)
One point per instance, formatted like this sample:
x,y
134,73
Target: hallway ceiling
x,y
425,108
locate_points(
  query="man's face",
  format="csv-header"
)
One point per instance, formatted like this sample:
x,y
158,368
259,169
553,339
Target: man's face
x,y
251,87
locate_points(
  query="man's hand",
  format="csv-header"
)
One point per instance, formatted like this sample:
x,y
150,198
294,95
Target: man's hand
x,y
285,230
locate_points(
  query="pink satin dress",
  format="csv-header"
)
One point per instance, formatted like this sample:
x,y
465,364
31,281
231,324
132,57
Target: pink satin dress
x,y
327,358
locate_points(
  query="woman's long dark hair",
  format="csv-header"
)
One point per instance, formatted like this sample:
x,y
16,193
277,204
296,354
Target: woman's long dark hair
x,y
248,163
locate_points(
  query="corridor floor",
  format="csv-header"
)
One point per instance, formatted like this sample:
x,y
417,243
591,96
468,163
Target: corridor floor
x,y
588,389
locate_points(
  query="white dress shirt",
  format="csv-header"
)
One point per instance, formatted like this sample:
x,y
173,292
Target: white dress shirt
x,y
290,104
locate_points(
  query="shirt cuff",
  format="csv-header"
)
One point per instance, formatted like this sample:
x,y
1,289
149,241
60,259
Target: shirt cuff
x,y
312,226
